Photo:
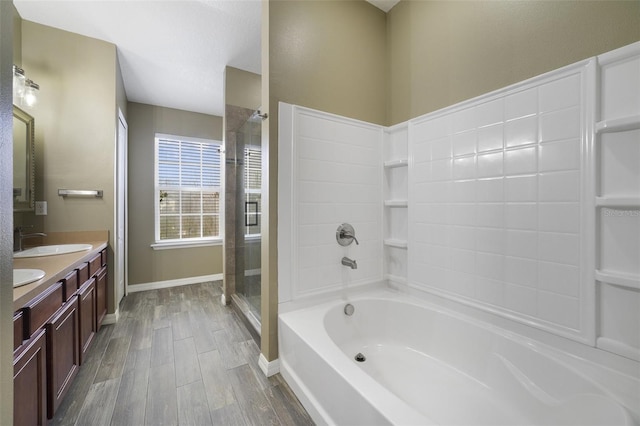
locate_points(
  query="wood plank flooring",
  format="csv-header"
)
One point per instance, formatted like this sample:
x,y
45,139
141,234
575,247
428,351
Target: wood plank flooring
x,y
177,357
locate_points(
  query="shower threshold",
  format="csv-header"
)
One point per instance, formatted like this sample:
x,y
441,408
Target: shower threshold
x,y
240,305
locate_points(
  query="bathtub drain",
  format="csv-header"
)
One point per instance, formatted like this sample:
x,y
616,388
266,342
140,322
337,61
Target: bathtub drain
x,y
360,358
349,309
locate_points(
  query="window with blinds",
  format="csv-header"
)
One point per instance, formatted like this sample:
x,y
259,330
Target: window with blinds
x,y
187,189
252,190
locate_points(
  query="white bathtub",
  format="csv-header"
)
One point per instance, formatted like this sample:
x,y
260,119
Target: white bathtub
x,y
426,365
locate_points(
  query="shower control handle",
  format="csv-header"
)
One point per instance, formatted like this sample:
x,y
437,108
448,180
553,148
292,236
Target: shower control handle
x,y
345,235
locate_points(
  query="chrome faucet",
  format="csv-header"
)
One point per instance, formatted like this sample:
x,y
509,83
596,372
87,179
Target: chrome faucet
x,y
18,236
349,262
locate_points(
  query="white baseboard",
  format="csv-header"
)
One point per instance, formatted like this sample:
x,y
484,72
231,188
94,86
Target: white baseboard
x,y
269,368
111,318
172,283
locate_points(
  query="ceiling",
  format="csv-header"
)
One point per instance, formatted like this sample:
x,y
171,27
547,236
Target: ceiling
x,y
385,5
172,53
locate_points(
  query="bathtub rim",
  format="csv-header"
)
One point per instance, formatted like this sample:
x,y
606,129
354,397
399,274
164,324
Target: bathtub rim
x,y
614,376
563,345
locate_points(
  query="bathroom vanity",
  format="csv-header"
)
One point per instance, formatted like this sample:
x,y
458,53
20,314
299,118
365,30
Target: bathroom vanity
x,y
55,321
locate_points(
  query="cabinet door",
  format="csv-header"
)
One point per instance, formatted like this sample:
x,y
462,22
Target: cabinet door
x,y
101,295
29,382
63,358
87,313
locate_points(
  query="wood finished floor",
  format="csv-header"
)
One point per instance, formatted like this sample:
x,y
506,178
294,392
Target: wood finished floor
x,y
177,357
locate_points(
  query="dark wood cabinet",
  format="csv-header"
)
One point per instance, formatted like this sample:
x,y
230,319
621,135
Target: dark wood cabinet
x,y
52,334
29,382
87,312
63,359
101,296
18,330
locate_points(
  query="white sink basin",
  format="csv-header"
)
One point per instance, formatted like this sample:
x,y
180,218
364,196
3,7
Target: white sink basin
x,y
26,276
52,250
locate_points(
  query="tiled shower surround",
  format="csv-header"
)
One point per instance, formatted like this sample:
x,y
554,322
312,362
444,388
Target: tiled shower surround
x,y
496,201
524,202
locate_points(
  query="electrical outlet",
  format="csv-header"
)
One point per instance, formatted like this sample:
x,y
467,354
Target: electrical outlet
x,y
41,208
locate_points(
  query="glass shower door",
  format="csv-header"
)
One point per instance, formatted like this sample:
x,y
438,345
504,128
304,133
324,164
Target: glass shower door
x,y
252,201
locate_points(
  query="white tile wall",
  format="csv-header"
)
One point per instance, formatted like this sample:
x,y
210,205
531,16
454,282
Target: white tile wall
x,y
496,202
334,176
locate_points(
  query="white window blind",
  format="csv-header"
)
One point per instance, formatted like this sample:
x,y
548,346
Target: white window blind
x,y
187,189
252,189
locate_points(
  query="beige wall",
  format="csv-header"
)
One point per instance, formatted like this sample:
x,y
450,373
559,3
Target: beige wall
x,y
328,55
443,52
145,264
17,37
74,127
242,88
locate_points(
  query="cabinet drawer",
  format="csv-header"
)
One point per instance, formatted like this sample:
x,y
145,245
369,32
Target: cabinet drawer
x,y
18,329
83,274
103,257
70,285
38,311
95,264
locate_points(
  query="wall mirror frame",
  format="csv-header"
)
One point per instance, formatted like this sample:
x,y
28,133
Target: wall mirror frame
x,y
23,160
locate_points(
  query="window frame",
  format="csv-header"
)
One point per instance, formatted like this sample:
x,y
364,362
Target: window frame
x,y
159,244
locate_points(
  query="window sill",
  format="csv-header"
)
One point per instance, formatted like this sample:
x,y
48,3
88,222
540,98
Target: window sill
x,y
185,244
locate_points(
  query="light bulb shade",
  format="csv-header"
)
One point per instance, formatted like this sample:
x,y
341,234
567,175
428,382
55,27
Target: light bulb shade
x,y
30,97
19,81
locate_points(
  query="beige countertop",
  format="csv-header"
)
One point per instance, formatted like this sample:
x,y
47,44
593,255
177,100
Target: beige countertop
x,y
59,266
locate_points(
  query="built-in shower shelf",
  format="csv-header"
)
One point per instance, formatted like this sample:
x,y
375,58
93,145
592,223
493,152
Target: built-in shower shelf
x,y
396,203
622,124
618,202
619,279
394,242
396,163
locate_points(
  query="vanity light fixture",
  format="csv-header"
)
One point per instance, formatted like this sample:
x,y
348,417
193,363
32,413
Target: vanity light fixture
x,y
24,89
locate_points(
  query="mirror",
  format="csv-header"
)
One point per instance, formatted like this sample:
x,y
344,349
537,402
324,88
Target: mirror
x,y
23,161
